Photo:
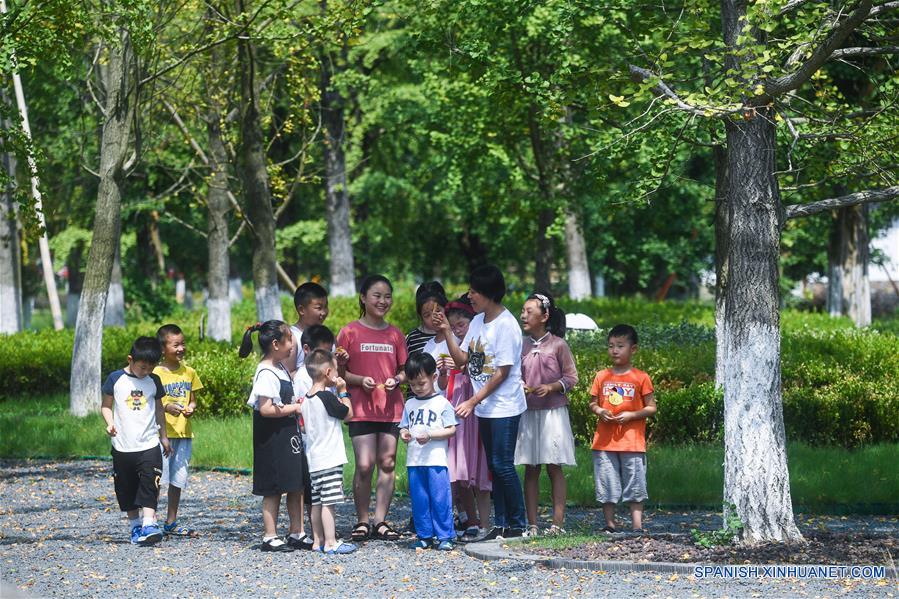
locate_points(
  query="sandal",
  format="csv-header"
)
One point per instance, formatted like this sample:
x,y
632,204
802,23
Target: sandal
x,y
361,532
385,532
341,549
176,529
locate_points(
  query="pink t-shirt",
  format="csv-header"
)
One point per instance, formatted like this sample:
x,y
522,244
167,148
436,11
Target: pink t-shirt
x,y
378,354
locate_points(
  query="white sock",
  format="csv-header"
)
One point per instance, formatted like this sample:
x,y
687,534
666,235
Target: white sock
x,y
296,536
135,522
149,520
273,541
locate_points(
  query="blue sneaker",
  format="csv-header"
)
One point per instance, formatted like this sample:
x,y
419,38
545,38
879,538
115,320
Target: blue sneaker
x,y
149,535
420,544
135,535
445,546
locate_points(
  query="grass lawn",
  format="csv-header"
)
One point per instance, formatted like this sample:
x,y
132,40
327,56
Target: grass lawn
x,y
825,479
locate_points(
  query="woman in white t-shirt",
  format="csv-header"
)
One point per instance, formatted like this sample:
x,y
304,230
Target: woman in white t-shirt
x,y
491,351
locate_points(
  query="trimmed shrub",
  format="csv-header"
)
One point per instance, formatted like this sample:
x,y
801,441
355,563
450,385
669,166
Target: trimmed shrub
x,y
840,385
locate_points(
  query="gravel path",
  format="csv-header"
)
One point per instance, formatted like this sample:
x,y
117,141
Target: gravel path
x,y
61,534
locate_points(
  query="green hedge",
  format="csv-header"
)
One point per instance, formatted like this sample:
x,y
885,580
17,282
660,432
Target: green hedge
x,y
841,385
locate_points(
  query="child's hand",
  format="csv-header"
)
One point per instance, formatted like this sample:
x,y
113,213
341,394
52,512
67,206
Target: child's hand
x,y
465,408
391,383
439,321
624,417
111,431
342,355
449,364
405,435
368,383
542,390
174,409
339,384
606,415
188,411
166,446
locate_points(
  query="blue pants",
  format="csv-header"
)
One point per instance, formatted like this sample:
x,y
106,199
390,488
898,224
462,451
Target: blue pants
x,y
432,502
499,436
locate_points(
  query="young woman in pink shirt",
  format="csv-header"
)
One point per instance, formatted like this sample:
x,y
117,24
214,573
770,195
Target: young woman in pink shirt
x,y
374,373
544,435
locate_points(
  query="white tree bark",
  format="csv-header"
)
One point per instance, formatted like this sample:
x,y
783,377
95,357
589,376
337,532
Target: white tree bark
x,y
114,315
722,233
119,108
11,316
578,267
756,477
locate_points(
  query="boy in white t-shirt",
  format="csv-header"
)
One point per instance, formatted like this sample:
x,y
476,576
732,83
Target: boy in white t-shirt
x,y
132,409
323,413
427,424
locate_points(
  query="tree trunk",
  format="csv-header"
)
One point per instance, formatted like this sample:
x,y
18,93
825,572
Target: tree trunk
x,y
342,270
114,145
11,317
257,192
756,478
722,231
849,288
114,315
578,267
218,205
544,261
76,282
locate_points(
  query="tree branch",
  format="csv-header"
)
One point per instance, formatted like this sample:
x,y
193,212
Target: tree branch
x,y
861,197
662,89
860,52
883,8
791,81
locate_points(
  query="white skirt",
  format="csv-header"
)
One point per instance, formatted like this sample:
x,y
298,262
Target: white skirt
x,y
544,437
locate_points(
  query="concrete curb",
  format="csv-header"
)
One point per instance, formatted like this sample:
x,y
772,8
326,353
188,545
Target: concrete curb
x,y
492,551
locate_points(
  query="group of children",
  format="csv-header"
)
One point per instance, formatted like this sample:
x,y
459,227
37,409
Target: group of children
x,y
482,399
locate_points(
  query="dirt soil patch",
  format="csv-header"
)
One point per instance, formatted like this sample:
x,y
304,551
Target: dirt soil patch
x,y
823,548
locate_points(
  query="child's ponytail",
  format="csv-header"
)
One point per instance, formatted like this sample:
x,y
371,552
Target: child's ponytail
x,y
556,322
269,332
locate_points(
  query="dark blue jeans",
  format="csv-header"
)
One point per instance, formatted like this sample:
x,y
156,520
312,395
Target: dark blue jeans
x,y
499,436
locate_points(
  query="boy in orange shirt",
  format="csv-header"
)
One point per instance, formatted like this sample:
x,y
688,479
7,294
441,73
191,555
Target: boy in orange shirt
x,y
622,398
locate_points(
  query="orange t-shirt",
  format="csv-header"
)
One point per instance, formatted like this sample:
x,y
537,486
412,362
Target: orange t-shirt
x,y
621,393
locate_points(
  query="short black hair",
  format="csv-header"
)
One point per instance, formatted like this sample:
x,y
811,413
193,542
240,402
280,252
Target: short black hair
x,y
489,282
624,330
418,363
307,292
316,362
146,349
166,330
316,335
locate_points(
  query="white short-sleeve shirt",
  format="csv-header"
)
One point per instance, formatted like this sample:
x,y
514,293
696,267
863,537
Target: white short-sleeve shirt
x,y
489,346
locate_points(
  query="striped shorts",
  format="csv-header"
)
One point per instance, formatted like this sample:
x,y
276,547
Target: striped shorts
x,y
327,486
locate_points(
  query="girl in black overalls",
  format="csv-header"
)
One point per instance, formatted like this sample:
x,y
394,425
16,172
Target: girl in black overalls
x,y
278,465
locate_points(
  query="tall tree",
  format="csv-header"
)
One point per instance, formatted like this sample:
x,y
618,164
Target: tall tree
x,y
254,176
337,195
118,79
757,84
10,253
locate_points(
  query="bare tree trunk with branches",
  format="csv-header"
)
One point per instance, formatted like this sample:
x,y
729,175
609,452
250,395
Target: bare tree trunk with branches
x,y
256,188
119,84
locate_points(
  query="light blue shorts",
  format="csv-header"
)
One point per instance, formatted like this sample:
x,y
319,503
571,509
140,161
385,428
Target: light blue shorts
x,y
174,467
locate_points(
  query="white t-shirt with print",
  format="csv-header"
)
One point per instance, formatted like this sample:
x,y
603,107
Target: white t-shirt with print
x,y
134,410
433,413
267,383
489,346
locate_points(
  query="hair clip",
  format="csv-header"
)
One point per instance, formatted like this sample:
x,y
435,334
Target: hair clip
x,y
543,300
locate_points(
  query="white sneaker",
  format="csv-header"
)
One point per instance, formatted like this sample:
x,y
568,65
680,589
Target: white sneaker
x,y
531,531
